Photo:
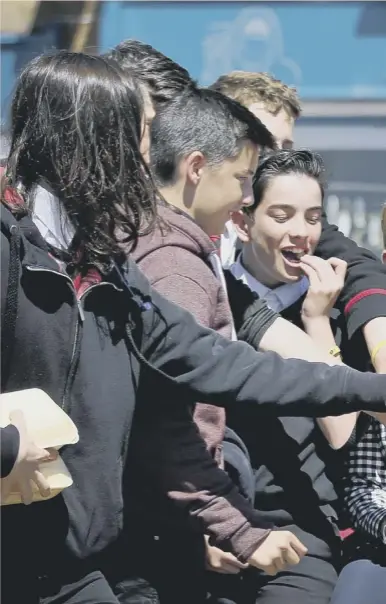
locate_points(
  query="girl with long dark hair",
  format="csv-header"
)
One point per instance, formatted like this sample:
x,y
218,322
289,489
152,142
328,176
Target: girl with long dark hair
x,y
80,322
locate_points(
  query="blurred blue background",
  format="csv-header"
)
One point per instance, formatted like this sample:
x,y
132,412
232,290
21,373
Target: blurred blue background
x,y
333,52
329,50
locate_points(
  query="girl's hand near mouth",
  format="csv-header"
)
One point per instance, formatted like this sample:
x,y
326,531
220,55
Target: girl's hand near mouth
x,y
326,279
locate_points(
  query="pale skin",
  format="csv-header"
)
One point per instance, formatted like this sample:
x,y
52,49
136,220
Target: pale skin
x,y
228,185
288,217
148,116
282,127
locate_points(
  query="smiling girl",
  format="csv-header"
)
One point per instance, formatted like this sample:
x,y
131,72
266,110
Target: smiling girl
x,y
294,466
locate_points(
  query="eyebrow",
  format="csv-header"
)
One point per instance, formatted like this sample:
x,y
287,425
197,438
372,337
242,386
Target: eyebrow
x,y
285,206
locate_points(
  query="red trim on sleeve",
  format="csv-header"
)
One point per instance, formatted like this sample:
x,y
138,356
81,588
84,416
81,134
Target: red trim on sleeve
x,y
346,533
361,295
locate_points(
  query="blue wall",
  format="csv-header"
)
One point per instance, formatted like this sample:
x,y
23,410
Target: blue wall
x,y
16,51
328,50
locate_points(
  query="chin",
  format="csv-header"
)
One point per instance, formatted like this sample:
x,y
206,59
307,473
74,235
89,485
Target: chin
x,y
291,277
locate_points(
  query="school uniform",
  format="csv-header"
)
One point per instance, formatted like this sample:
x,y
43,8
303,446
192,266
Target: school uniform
x,y
294,470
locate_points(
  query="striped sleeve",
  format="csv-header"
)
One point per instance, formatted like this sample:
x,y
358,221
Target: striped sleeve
x,y
365,483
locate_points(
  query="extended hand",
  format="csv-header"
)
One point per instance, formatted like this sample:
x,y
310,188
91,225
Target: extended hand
x,y
222,562
326,279
279,550
26,469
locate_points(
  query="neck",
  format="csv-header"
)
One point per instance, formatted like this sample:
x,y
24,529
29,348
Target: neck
x,y
253,265
178,196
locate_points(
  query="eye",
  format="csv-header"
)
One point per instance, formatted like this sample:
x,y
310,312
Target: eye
x,y
314,218
280,218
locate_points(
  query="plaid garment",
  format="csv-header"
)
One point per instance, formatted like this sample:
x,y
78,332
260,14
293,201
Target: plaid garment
x,y
365,483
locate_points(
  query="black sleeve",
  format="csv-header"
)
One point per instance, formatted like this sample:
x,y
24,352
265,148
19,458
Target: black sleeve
x,y
206,367
10,441
363,297
250,313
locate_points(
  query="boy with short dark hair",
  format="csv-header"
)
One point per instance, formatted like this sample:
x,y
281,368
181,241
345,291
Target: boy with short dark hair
x,y
363,298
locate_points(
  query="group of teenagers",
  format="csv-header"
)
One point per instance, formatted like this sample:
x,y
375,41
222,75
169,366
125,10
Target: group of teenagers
x,y
170,279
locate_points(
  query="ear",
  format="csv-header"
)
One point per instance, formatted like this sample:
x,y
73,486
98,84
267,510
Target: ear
x,y
241,224
195,164
384,256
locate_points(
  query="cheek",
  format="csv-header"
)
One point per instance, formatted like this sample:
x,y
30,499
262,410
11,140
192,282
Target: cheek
x,y
315,237
270,234
263,239
231,194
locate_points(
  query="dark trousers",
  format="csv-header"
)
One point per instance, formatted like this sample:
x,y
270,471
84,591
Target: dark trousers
x,y
311,581
172,571
90,589
361,582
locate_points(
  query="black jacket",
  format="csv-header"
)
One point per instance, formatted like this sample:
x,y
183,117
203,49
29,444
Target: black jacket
x,y
296,473
122,346
364,293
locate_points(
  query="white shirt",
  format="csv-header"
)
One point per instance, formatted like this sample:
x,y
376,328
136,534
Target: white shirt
x,y
228,245
277,299
49,216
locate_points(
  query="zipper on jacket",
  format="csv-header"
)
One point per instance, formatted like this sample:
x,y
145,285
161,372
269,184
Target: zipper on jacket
x,y
75,346
41,269
76,341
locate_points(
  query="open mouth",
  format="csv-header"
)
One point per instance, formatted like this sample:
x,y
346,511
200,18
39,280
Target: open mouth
x,y
293,256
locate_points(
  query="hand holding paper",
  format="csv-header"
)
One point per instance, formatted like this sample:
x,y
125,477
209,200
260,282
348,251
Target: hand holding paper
x,y
26,469
39,472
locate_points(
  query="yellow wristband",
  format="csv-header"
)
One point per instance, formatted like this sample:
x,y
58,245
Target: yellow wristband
x,y
335,352
376,349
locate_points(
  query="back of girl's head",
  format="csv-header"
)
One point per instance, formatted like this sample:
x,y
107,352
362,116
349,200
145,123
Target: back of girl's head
x,y
288,161
76,125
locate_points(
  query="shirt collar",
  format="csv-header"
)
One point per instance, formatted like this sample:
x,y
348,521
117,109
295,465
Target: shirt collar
x,y
49,216
277,299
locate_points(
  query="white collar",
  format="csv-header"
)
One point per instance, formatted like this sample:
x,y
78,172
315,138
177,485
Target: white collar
x,y
51,219
277,299
228,245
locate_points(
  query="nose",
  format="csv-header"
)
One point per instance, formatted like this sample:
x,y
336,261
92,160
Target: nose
x,y
248,198
298,228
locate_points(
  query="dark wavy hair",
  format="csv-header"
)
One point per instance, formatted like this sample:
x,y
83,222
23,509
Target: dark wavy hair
x,y
286,161
163,77
76,125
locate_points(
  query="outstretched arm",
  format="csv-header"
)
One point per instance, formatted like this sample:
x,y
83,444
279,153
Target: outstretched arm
x,y
206,367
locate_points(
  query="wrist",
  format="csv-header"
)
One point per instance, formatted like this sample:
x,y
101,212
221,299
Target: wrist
x,y
315,323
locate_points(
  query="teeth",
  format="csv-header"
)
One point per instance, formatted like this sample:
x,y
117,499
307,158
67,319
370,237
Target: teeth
x,y
295,251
